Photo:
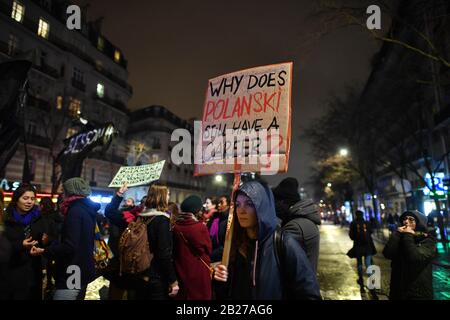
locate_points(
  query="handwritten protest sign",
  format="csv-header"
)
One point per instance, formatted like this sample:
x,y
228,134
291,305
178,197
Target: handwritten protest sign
x,y
138,175
254,107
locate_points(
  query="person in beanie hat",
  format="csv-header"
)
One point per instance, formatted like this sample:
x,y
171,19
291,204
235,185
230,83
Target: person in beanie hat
x,y
192,249
411,248
77,240
301,218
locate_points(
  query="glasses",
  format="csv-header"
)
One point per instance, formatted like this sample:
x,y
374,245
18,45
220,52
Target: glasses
x,y
410,219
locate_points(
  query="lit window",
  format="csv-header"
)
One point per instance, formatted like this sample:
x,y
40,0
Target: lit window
x,y
100,43
100,90
13,44
116,56
71,132
44,28
59,102
74,107
18,11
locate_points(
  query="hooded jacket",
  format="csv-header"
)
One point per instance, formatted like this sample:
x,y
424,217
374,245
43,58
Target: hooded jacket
x,y
77,243
301,221
411,255
267,276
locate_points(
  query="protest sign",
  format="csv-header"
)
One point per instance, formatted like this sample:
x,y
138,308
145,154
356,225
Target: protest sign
x,y
253,106
137,175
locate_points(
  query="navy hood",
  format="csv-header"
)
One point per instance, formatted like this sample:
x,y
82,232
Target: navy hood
x,y
263,201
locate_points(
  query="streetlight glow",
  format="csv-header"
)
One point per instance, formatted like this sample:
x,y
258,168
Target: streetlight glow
x,y
329,185
219,178
343,152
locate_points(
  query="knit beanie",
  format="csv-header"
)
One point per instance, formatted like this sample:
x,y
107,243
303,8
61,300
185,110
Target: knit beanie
x,y
192,204
287,190
76,186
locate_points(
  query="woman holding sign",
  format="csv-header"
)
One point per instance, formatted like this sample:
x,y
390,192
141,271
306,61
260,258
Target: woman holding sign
x,y
269,274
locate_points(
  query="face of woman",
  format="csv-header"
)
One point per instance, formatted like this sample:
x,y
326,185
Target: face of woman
x,y
208,204
246,212
26,202
409,221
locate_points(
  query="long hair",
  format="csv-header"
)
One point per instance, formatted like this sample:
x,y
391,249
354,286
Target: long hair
x,y
47,206
24,187
157,198
173,211
240,240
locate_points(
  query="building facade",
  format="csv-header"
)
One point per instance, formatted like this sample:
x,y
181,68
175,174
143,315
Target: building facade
x,y
80,73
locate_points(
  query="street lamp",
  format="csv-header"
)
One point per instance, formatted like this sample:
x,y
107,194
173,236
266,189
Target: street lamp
x,y
218,178
343,152
329,185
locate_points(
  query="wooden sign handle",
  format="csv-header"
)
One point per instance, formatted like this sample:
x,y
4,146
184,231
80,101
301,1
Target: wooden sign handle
x,y
229,234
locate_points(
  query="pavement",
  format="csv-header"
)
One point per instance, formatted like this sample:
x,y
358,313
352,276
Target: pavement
x,y
337,273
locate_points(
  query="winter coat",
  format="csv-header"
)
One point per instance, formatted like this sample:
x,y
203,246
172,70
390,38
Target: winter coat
x,y
302,221
192,245
161,245
361,234
5,256
269,279
77,243
411,255
24,271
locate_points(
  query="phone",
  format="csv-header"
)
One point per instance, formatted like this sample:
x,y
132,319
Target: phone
x,y
27,231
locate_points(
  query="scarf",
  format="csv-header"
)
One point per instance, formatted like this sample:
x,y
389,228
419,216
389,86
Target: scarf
x,y
214,230
67,202
25,219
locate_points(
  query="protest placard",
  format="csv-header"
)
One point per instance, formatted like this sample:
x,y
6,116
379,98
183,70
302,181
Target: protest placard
x,y
253,105
137,175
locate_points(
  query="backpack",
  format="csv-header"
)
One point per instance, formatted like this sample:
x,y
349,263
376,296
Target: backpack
x,y
134,250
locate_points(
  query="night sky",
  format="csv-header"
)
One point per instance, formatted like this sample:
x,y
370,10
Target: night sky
x,y
174,47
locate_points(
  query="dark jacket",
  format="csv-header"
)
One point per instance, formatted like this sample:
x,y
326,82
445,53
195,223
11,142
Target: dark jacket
x,y
117,224
301,221
5,256
24,271
192,245
272,280
161,245
77,243
361,234
411,255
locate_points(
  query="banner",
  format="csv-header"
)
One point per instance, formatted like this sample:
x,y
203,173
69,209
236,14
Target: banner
x,y
246,121
137,175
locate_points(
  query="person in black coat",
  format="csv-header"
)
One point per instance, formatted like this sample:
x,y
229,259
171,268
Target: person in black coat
x,y
118,283
25,228
5,255
299,217
363,246
75,267
411,248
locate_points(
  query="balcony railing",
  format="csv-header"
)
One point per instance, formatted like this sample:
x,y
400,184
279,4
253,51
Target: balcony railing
x,y
38,103
32,26
78,84
111,102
